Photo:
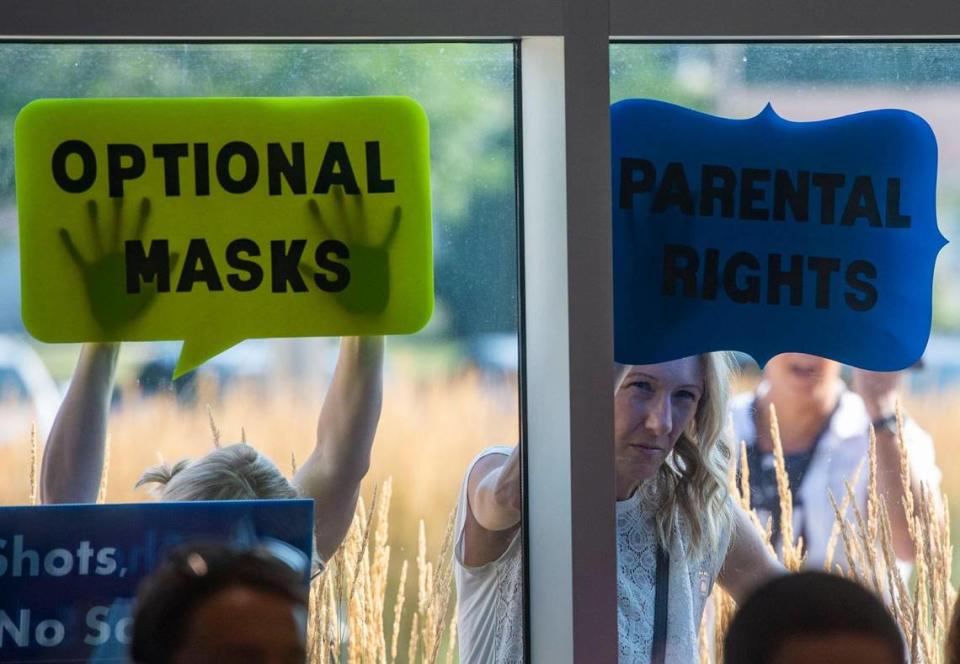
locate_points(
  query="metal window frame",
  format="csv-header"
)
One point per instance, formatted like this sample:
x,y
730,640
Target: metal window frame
x,y
567,279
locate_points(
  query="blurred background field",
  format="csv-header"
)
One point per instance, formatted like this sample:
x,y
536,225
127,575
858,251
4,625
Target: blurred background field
x,y
430,428
433,423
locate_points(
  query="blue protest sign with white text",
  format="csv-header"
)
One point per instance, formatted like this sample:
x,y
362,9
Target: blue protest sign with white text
x,y
69,573
767,236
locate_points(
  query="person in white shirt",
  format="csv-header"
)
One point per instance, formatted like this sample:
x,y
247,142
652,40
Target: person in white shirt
x,y
824,431
678,530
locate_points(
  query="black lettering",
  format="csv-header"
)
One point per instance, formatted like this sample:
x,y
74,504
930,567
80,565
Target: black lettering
x,y
861,203
117,172
673,190
628,185
375,182
340,272
894,218
778,277
749,293
201,169
292,169
796,196
198,266
680,263
336,169
828,184
171,153
823,268
235,259
856,272
711,274
751,194
58,164
150,267
251,167
710,191
284,266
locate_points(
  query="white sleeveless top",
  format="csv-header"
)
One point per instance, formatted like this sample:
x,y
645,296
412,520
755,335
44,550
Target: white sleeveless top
x,y
490,597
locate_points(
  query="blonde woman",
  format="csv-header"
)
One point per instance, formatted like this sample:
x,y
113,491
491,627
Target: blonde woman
x,y
675,522
73,456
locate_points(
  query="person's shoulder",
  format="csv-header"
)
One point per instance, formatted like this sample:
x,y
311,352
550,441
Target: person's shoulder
x,y
493,450
484,458
504,450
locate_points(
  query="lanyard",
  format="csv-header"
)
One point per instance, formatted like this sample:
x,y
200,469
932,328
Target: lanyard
x,y
658,653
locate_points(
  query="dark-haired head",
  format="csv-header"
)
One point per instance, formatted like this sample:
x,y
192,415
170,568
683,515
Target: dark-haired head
x,y
212,603
813,617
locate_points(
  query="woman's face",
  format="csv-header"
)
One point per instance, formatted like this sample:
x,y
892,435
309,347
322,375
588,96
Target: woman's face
x,y
652,406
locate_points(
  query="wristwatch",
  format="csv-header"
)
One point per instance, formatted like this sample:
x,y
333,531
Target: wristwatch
x,y
886,423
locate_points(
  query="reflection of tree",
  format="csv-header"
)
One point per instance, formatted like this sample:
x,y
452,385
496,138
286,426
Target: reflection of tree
x,y
466,89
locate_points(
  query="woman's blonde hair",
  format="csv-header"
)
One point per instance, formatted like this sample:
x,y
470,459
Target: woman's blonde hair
x,y
232,472
690,489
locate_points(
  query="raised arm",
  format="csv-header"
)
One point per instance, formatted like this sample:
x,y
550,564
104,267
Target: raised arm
x,y
345,431
493,508
73,456
880,394
749,562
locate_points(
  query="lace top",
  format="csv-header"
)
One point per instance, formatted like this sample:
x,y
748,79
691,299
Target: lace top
x,y
490,597
691,581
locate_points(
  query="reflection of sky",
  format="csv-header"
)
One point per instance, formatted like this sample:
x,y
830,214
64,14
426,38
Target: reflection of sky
x,y
471,133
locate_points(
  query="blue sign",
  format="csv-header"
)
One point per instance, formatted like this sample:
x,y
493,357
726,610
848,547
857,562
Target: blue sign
x,y
767,236
69,573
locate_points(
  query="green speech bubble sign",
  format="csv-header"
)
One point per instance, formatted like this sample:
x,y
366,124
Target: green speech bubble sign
x,y
218,220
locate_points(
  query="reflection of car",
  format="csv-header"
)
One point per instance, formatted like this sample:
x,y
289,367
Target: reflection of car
x,y
247,360
495,352
255,363
27,392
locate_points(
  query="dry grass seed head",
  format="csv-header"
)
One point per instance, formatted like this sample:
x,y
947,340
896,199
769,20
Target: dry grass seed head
x,y
34,466
835,530
213,427
104,473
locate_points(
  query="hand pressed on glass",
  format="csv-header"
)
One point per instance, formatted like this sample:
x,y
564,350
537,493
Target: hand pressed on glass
x,y
368,292
104,274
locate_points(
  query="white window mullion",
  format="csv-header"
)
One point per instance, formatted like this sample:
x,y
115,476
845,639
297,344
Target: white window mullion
x,y
568,327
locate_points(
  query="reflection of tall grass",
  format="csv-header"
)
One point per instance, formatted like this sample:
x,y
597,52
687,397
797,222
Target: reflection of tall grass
x,y
427,435
348,618
922,612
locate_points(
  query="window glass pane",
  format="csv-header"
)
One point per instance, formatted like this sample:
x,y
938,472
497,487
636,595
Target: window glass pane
x,y
449,391
824,409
